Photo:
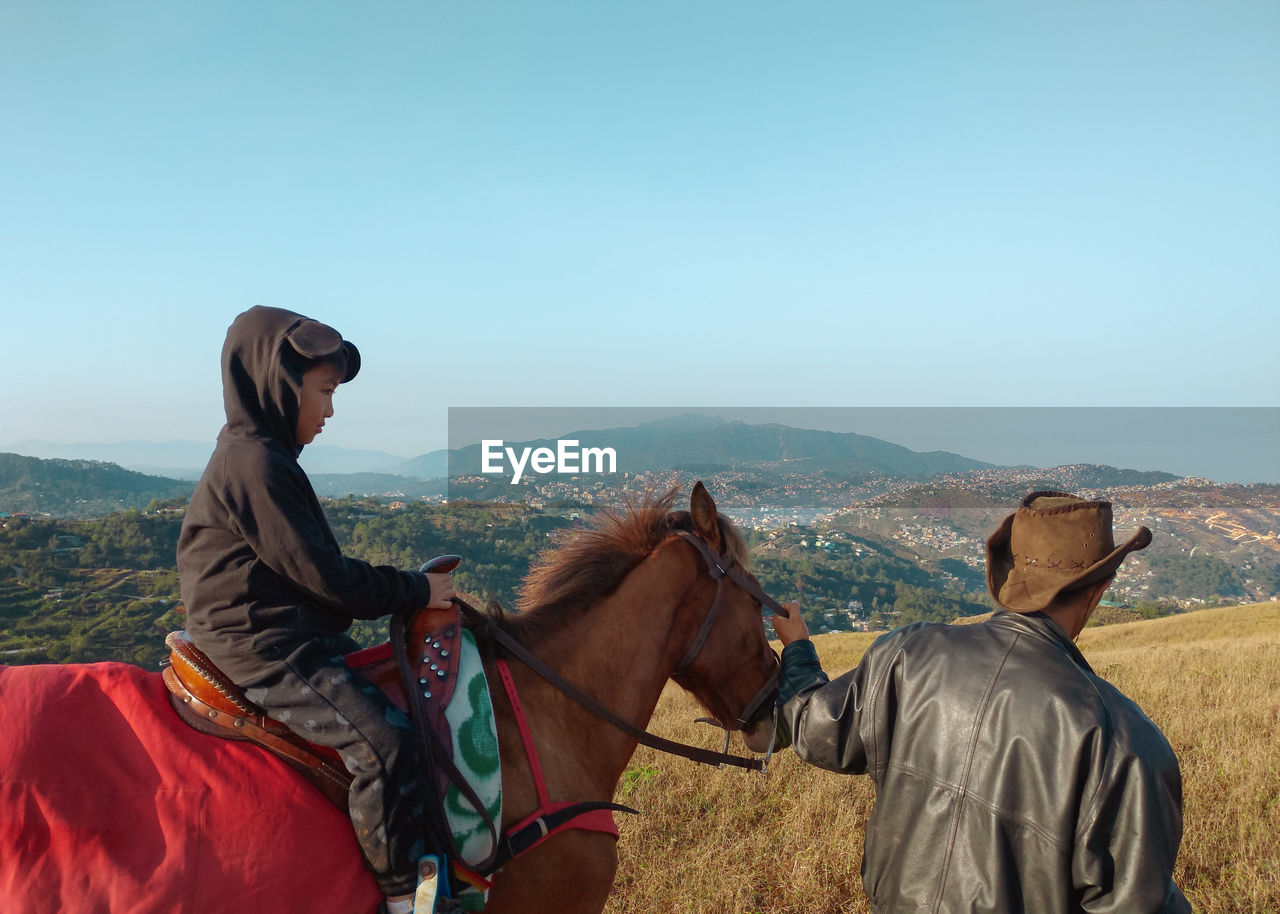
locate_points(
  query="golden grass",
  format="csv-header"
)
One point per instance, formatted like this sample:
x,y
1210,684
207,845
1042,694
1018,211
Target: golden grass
x,y
727,841
1211,681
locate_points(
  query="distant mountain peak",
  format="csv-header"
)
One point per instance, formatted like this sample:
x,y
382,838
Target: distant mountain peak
x,y
684,422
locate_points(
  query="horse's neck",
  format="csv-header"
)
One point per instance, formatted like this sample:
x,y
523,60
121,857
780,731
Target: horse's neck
x,y
626,648
620,652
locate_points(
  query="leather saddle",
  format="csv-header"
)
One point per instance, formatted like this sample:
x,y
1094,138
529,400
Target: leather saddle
x,y
206,699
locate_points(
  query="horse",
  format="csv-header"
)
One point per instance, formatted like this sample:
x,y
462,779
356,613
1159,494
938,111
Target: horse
x,y
93,818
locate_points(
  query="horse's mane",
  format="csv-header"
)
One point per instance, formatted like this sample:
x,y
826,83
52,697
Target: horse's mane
x,y
586,564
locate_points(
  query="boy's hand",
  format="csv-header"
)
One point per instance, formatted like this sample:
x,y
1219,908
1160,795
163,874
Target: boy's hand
x,y
792,628
442,592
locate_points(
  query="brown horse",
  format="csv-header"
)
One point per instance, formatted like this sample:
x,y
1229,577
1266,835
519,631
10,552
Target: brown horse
x,y
614,610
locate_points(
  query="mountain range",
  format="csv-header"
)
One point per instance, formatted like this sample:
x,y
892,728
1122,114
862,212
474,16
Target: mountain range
x,y
696,442
689,441
186,459
85,479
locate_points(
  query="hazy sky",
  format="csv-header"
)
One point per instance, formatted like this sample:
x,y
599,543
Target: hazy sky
x,y
636,204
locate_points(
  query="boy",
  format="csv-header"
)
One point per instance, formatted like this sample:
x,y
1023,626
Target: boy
x,y
269,594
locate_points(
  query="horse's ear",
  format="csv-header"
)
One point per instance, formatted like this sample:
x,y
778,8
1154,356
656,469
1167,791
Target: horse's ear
x,y
703,511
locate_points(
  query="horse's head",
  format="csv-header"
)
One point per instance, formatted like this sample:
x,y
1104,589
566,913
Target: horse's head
x,y
728,664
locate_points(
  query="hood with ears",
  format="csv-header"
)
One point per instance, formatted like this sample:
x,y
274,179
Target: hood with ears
x,y
264,357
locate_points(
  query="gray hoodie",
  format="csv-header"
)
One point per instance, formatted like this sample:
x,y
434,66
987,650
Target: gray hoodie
x,y
261,571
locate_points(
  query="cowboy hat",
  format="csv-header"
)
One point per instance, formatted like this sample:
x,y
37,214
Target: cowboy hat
x,y
1053,543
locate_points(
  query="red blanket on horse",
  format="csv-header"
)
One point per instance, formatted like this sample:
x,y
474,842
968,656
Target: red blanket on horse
x,y
108,802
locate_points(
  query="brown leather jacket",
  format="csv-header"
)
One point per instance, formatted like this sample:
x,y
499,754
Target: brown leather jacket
x,y
1009,776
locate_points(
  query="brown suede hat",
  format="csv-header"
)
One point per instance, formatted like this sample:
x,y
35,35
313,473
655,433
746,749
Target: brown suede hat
x,y
1052,544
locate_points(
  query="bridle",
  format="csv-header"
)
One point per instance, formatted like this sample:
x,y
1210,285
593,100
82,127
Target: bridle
x,y
719,567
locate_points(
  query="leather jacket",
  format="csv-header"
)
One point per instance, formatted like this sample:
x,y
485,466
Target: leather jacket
x,y
1009,776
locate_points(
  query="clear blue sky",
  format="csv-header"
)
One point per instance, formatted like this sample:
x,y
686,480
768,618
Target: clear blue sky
x,y
638,204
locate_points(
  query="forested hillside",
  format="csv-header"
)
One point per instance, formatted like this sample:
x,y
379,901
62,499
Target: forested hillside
x,y
107,589
78,488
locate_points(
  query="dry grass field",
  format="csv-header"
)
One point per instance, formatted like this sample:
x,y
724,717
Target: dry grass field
x,y
727,841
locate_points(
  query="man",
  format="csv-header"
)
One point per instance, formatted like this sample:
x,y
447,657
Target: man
x,y
1009,776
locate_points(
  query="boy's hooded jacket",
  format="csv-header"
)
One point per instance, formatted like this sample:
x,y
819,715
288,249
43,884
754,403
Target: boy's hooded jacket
x,y
261,570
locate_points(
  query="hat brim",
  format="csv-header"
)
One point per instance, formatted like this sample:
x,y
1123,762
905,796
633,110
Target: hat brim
x,y
1014,592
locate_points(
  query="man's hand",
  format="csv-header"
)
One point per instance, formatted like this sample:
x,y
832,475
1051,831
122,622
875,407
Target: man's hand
x,y
792,628
442,592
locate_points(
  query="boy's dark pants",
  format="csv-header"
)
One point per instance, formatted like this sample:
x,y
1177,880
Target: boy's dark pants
x,y
313,693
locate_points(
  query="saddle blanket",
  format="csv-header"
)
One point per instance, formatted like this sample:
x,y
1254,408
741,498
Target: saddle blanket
x,y
109,802
475,753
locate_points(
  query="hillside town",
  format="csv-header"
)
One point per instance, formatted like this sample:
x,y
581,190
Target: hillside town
x,y
950,516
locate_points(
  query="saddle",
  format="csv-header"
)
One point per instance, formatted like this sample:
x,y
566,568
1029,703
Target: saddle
x,y
428,643
206,699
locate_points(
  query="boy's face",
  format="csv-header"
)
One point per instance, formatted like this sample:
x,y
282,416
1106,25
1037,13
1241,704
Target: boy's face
x,y
315,401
